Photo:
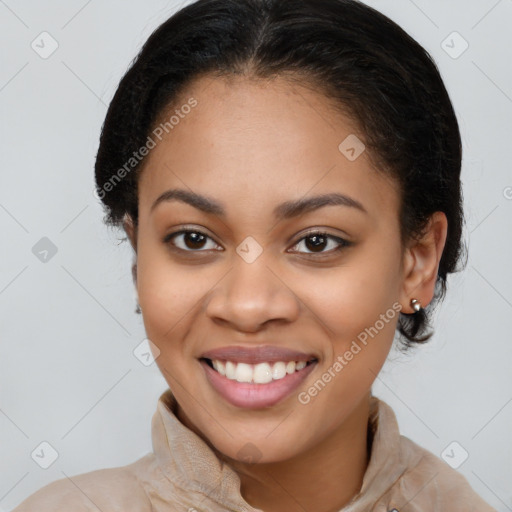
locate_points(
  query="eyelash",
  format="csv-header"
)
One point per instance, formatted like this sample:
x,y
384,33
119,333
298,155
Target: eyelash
x,y
343,244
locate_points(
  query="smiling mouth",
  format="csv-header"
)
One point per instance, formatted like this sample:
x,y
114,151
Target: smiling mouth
x,y
261,373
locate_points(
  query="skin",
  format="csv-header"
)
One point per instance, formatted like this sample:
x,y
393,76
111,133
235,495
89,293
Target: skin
x,y
252,145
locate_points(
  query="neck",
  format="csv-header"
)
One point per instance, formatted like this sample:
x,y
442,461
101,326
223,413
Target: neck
x,y
332,470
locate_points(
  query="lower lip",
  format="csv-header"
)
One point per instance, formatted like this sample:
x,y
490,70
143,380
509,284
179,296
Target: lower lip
x,y
255,396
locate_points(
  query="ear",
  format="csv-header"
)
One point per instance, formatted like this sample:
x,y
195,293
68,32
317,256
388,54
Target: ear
x,y
421,263
131,231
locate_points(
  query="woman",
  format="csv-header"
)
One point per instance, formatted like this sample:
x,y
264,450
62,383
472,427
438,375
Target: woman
x,y
288,175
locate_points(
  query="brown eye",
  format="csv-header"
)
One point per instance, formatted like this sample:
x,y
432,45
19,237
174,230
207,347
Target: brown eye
x,y
316,243
190,241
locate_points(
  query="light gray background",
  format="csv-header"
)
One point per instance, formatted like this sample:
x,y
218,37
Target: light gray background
x,y
68,375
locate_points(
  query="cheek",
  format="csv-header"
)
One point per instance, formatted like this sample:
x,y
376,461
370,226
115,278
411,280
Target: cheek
x,y
350,298
168,293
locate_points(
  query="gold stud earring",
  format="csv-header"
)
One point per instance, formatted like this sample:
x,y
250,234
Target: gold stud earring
x,y
416,305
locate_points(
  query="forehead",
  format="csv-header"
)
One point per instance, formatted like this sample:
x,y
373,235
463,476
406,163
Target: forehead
x,y
260,143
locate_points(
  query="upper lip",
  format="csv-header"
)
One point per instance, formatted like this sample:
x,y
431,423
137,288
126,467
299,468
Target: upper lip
x,y
255,355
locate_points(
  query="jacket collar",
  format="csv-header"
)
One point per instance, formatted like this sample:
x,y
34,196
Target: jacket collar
x,y
187,461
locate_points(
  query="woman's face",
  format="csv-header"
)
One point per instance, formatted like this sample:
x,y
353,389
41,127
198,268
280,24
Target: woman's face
x,y
255,163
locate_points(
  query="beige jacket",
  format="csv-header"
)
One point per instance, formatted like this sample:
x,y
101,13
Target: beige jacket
x,y
184,474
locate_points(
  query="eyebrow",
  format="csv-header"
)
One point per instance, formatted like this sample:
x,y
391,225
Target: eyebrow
x,y
285,210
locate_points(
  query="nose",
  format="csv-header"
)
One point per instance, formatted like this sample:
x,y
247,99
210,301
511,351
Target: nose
x,y
251,295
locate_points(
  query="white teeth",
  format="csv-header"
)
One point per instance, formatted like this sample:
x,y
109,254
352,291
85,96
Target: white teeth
x,y
261,373
243,372
221,368
230,370
278,370
290,367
